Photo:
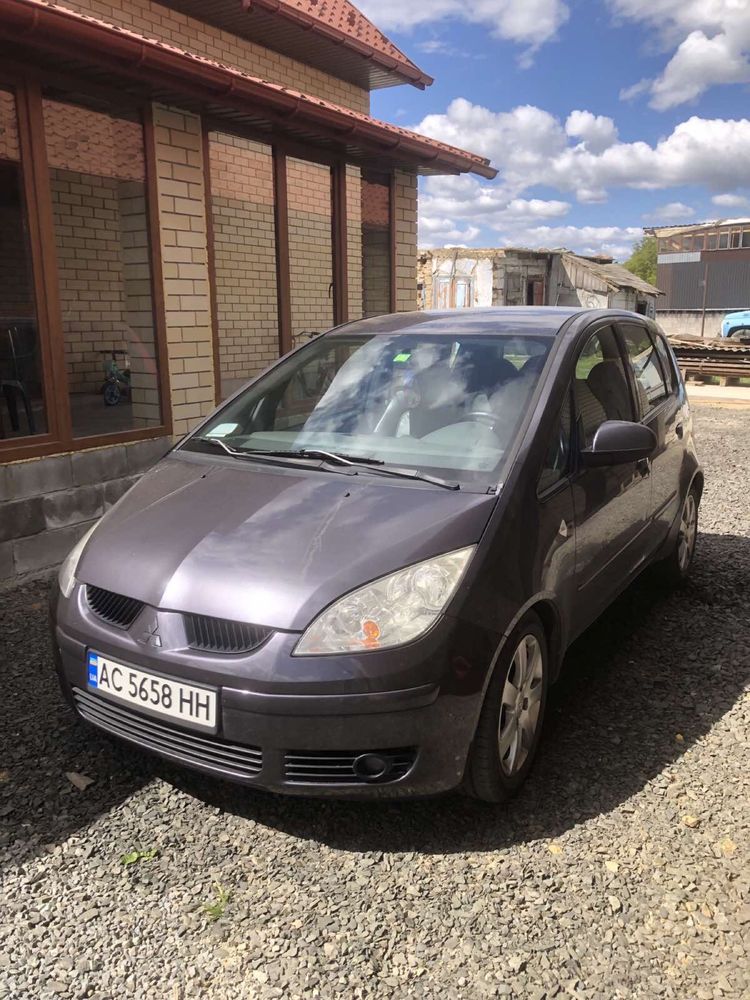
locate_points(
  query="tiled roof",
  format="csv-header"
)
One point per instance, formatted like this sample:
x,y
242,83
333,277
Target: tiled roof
x,y
61,30
341,20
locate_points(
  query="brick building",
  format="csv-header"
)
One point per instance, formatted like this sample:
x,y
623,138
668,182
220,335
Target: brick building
x,y
185,188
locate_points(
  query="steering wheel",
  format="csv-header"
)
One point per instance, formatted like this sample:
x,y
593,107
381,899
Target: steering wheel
x,y
482,417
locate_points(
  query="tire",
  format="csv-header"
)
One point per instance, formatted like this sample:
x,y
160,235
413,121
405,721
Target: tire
x,y
112,394
492,774
675,568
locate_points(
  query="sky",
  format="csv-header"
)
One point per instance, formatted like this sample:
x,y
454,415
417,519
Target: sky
x,y
602,116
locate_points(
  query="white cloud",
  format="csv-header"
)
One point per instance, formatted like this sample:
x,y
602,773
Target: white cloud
x,y
531,147
530,23
673,211
465,210
731,201
709,41
596,132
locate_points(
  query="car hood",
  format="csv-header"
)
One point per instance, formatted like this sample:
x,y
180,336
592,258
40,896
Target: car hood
x,y
266,544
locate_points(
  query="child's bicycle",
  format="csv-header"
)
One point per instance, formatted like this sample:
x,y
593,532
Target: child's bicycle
x,y
116,385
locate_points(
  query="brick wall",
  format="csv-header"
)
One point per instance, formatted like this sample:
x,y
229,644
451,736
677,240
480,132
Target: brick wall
x,y
376,271
203,39
310,245
354,240
184,253
87,238
242,217
406,240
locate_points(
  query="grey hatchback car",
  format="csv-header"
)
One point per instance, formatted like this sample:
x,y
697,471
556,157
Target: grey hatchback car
x,y
360,574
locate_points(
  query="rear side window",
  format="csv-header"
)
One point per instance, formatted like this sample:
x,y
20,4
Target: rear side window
x,y
601,386
646,365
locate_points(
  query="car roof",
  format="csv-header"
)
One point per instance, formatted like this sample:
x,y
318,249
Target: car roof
x,y
544,321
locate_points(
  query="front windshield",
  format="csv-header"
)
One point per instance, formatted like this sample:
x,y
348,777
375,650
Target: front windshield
x,y
442,405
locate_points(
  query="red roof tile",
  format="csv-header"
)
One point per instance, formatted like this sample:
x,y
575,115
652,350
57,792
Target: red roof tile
x,y
342,21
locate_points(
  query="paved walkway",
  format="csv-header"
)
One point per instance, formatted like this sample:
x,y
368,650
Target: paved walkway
x,y
731,395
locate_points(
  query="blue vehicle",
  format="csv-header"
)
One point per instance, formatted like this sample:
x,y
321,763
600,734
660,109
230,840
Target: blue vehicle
x,y
737,325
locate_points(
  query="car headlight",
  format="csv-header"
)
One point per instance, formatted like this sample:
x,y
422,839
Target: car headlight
x,y
67,574
388,612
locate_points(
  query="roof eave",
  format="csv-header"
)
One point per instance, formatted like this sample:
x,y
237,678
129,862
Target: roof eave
x,y
406,71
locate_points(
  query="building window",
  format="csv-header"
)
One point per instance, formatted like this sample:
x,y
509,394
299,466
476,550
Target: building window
x,y
735,241
97,177
80,335
713,241
723,241
23,412
746,238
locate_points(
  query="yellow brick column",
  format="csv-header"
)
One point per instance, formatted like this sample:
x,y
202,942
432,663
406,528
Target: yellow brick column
x,y
184,254
405,218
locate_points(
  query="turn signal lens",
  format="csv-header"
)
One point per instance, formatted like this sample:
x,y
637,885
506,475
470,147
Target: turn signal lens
x,y
389,612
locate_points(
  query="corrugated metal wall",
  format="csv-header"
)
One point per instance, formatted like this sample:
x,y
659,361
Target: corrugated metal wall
x,y
728,284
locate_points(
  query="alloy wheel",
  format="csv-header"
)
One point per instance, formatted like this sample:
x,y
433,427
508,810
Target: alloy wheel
x,y
688,532
521,705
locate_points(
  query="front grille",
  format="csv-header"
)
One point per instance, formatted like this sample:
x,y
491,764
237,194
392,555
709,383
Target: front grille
x,y
113,608
217,635
182,745
344,767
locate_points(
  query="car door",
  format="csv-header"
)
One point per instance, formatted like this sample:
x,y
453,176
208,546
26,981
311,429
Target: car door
x,y
660,408
612,504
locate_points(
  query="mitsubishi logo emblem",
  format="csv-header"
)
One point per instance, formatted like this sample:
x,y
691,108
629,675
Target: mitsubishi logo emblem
x,y
150,636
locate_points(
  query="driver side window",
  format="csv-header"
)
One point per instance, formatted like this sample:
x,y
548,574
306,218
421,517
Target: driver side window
x,y
601,386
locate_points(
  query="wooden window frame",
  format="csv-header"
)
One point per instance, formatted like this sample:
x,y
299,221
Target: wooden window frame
x,y
27,87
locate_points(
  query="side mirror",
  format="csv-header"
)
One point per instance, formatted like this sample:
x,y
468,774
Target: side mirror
x,y
618,442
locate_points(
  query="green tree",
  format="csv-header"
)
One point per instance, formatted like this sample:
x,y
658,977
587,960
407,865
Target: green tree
x,y
643,259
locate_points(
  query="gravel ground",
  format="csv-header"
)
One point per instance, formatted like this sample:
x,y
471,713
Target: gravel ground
x,y
620,872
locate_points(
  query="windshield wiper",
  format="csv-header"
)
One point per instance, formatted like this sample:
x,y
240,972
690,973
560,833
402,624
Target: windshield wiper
x,y
389,470
333,458
328,456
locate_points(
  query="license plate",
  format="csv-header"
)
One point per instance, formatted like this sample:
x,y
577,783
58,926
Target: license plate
x,y
152,692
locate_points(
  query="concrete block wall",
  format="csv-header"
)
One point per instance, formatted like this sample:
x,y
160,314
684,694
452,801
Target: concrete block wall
x,y
682,323
47,504
244,249
158,21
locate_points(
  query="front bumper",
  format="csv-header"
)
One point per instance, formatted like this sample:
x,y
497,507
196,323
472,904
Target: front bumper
x,y
300,726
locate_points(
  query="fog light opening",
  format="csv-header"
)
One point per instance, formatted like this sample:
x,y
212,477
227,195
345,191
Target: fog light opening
x,y
371,767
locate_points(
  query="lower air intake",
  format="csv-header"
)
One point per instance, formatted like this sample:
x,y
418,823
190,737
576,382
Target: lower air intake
x,y
186,746
348,767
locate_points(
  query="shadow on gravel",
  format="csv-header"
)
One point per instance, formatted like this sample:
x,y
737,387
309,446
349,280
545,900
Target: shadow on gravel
x,y
40,740
655,665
